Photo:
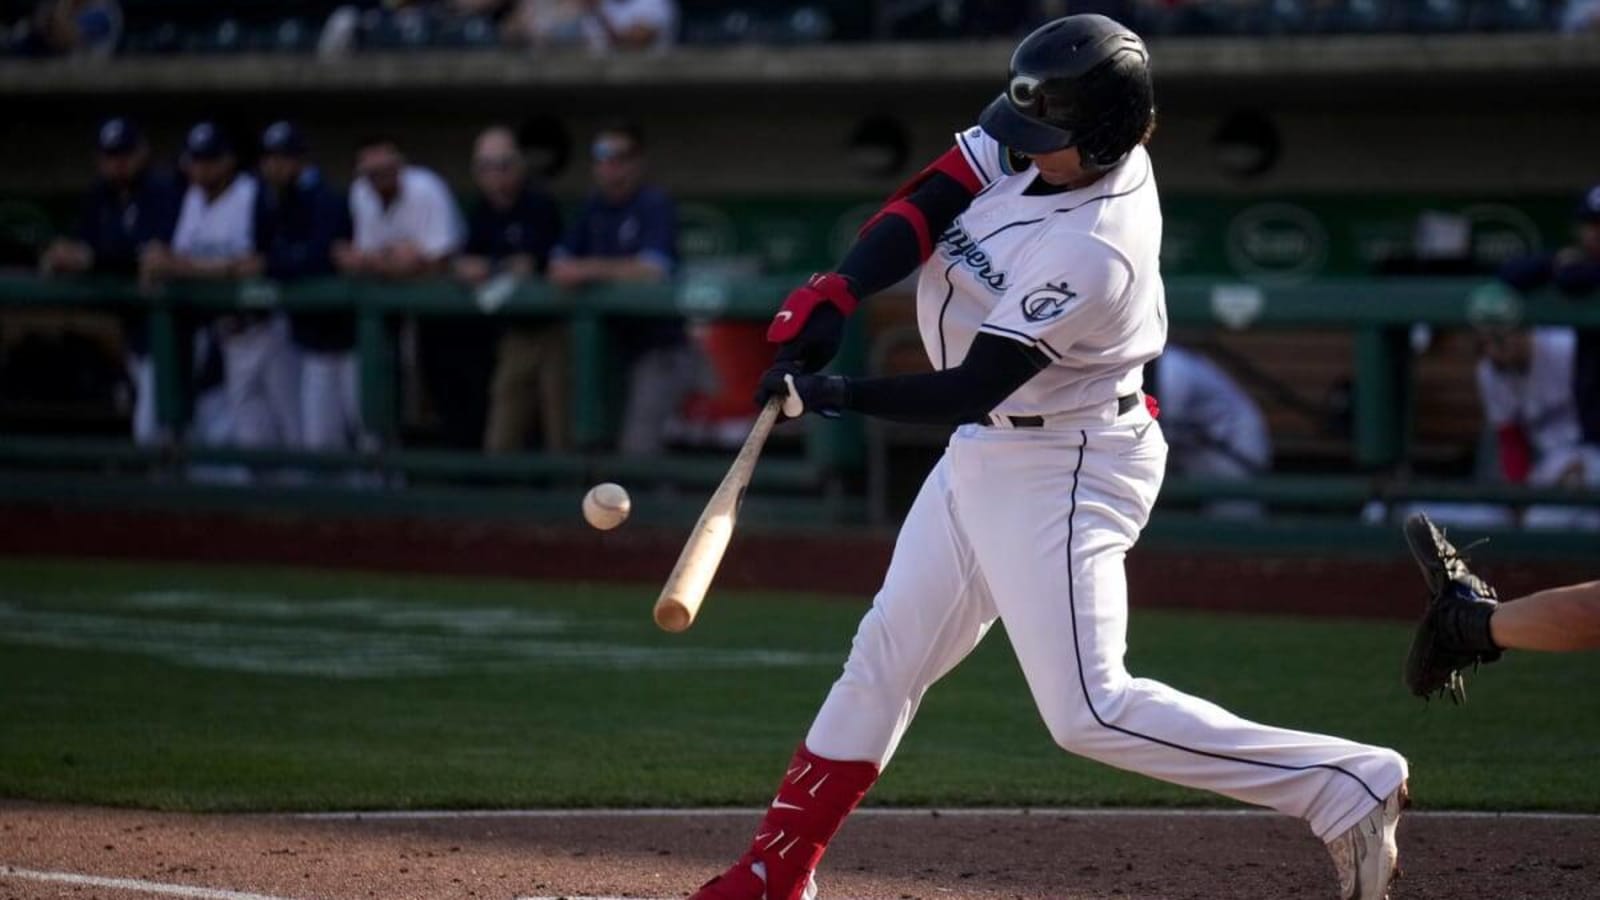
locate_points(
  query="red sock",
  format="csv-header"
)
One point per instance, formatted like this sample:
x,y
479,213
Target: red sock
x,y
813,799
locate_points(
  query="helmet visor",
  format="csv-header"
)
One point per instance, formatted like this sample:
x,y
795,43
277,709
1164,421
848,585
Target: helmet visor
x,y
1019,131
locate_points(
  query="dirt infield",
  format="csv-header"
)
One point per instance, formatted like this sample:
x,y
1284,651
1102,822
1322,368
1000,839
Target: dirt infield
x,y
73,852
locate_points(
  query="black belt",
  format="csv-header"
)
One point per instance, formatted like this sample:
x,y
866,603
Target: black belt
x,y
1125,404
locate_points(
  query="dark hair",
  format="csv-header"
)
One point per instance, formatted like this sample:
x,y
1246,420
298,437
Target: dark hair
x,y
629,130
377,139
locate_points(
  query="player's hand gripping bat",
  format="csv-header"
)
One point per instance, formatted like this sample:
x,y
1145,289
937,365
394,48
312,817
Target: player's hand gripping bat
x,y
686,587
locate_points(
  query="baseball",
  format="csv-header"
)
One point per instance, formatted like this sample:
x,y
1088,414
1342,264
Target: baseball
x,y
606,506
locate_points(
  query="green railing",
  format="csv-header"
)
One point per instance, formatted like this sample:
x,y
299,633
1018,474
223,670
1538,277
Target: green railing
x,y
1379,312
377,305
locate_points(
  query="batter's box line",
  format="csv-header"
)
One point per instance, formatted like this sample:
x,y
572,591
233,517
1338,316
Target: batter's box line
x,y
960,812
140,886
133,885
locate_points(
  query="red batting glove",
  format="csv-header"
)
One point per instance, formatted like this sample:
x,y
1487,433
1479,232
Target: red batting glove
x,y
810,324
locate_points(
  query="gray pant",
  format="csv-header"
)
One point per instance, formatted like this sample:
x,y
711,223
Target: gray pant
x,y
659,381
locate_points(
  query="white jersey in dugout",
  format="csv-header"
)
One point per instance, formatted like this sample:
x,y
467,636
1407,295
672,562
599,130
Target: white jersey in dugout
x,y
1075,274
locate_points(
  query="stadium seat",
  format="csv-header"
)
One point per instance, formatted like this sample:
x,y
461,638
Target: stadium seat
x,y
1278,17
1355,17
293,36
290,26
1510,15
464,32
1433,15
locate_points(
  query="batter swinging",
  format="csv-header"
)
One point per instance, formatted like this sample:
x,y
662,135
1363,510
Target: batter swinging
x,y
1039,300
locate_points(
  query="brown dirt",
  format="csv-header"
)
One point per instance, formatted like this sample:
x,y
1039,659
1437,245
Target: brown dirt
x,y
917,856
1158,578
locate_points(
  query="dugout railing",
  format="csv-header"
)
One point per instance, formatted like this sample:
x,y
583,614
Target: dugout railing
x,y
809,485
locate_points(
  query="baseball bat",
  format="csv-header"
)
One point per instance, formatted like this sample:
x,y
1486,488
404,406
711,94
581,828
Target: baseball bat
x,y
686,587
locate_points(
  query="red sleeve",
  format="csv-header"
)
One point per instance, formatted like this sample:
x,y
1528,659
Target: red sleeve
x,y
952,163
903,203
1516,453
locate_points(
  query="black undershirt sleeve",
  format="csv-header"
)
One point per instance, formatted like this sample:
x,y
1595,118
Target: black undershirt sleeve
x,y
993,369
889,250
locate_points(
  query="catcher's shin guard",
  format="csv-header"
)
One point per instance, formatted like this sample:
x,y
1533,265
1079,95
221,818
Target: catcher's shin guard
x,y
813,799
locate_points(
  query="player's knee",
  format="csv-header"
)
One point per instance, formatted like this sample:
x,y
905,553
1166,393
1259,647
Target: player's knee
x,y
1077,728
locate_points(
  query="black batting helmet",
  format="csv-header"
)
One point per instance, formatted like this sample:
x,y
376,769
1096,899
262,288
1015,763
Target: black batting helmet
x,y
1081,81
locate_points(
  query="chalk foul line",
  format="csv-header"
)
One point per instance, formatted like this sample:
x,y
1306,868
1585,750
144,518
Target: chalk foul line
x,y
131,884
959,812
184,890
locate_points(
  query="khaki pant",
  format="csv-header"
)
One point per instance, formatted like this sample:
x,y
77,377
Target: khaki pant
x,y
530,378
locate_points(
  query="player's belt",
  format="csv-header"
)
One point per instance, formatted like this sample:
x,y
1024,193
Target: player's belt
x,y
1125,404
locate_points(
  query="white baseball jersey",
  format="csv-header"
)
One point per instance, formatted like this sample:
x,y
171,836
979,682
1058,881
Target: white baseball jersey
x,y
1075,274
1541,399
1032,524
222,229
258,403
424,213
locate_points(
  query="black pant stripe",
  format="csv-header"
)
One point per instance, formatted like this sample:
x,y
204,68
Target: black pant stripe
x,y
1072,602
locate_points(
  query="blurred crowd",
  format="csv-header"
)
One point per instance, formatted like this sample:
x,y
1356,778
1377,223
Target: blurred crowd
x,y
502,384
1538,387
330,27
266,379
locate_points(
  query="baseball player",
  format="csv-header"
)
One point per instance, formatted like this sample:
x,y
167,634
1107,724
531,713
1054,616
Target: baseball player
x,y
1039,300
1526,379
1466,624
1212,426
258,404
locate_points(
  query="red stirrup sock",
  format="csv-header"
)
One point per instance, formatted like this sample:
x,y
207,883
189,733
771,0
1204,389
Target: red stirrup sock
x,y
815,796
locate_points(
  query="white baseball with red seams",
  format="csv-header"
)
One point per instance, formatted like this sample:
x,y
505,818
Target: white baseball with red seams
x,y
606,506
1031,524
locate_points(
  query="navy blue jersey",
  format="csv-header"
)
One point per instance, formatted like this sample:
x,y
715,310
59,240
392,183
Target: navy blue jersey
x,y
645,226
117,225
531,226
295,230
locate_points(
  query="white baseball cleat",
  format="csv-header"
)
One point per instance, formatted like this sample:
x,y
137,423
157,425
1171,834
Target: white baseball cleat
x,y
1366,855
810,893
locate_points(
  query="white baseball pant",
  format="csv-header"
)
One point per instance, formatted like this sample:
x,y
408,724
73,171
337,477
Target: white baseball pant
x,y
261,383
1032,526
330,402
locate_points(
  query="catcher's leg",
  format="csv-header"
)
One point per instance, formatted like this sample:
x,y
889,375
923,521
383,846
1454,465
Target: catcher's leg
x,y
931,612
1560,619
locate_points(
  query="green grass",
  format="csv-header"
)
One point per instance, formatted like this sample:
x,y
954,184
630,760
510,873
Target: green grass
x,y
257,689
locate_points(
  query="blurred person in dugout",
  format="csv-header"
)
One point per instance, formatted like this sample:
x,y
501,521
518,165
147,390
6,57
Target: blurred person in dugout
x,y
510,232
1527,391
601,26
1213,428
627,231
299,222
1574,270
131,204
258,401
406,227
